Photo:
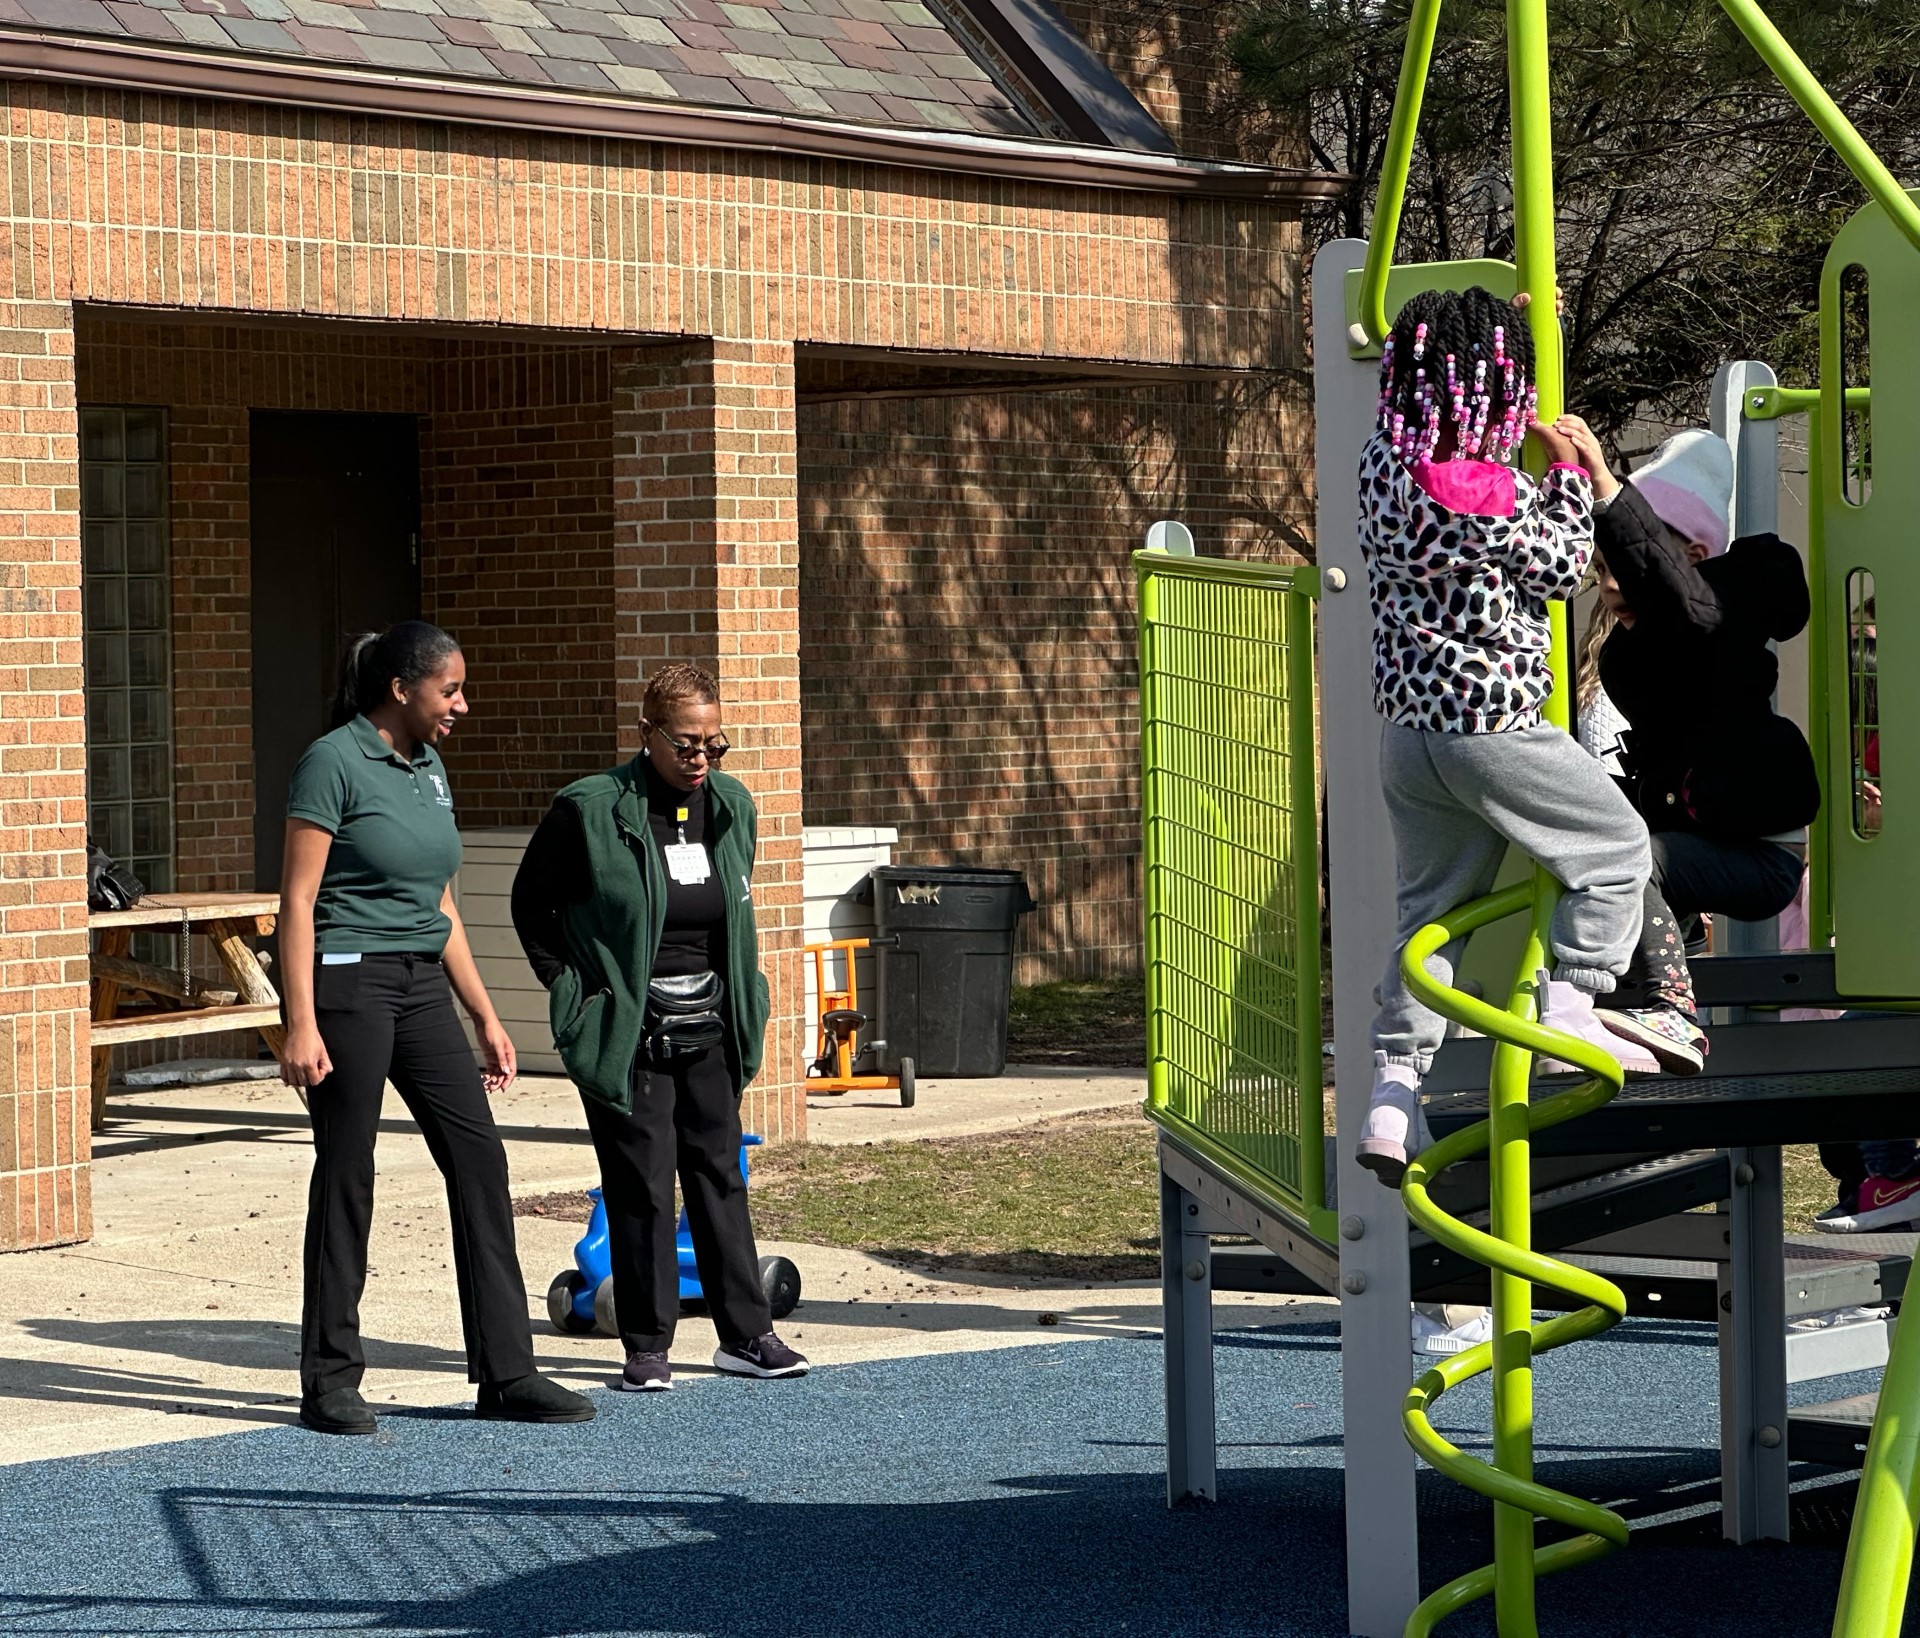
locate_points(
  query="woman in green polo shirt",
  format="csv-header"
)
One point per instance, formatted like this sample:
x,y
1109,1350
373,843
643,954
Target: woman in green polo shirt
x,y
373,953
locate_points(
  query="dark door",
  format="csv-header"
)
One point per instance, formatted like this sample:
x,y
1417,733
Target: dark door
x,y
335,502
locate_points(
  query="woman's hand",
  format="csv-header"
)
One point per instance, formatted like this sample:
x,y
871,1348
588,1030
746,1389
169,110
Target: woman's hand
x,y
303,1057
502,1065
1587,451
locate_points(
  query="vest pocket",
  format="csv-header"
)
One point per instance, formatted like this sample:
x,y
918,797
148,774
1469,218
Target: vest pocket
x,y
568,1010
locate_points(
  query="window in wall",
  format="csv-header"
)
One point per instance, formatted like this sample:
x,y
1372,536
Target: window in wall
x,y
129,658
1863,702
1856,418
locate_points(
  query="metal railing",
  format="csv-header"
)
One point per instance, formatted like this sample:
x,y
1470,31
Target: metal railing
x,y
1229,797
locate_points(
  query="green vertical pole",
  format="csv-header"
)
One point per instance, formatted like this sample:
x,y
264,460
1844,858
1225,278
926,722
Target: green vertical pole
x,y
1395,163
1151,838
1511,1157
1873,1585
1304,801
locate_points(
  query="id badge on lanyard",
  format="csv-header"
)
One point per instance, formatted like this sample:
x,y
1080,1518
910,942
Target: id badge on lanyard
x,y
687,861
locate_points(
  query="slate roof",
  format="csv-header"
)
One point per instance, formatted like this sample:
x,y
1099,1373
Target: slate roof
x,y
891,62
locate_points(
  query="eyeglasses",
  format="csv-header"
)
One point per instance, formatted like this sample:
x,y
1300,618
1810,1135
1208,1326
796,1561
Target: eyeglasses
x,y
691,750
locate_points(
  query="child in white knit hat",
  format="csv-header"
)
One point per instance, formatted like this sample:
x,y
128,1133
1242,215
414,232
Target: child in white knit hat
x,y
1721,779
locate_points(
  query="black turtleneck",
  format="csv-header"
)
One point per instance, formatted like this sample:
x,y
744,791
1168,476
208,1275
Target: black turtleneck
x,y
554,874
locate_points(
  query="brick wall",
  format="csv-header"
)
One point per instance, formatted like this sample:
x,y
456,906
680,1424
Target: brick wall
x,y
968,667
209,376
517,514
707,560
516,518
125,198
44,1149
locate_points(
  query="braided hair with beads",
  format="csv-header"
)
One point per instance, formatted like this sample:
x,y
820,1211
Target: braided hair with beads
x,y
1459,359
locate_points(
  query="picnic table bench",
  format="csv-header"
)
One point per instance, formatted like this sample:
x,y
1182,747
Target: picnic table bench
x,y
181,1005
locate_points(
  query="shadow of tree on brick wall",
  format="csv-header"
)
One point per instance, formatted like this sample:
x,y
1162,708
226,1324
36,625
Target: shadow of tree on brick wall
x,y
968,645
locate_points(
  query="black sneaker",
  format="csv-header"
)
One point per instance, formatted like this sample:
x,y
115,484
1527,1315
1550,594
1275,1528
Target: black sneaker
x,y
646,1373
339,1410
764,1356
531,1398
1842,1217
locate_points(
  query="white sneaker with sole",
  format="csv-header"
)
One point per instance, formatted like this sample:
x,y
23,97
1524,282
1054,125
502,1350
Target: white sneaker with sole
x,y
1444,1330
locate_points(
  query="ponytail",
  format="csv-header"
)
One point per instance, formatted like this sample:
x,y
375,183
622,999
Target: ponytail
x,y
408,653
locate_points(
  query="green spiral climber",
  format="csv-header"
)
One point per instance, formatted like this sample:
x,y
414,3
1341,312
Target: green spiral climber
x,y
1516,1267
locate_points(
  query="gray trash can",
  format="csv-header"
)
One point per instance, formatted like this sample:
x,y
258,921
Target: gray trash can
x,y
944,935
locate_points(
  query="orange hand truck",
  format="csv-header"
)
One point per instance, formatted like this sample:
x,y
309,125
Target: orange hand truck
x,y
841,1022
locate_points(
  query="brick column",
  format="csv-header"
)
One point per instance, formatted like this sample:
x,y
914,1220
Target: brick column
x,y
45,1147
706,570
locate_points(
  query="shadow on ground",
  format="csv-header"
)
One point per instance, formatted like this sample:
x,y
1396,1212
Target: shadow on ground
x,y
1017,1492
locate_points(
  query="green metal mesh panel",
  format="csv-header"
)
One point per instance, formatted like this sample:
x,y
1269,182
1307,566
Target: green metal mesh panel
x,y
1232,871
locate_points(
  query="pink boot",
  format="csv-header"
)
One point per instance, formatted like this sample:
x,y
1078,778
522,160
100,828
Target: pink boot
x,y
1395,1130
1570,1008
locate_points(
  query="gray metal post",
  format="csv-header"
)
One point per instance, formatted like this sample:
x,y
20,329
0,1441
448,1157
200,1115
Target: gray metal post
x,y
1383,1539
1753,1355
1753,1322
1755,446
1186,1308
1756,511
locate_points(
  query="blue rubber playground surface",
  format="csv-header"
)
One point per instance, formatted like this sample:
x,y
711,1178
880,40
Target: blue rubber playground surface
x,y
1012,1492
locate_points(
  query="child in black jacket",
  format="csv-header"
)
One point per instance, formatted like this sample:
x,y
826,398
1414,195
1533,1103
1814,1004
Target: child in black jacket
x,y
1721,779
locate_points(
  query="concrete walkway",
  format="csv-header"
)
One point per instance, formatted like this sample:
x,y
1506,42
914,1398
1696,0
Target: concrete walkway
x,y
181,1317
944,1109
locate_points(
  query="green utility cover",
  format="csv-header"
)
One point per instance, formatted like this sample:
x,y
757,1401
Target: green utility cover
x,y
1876,877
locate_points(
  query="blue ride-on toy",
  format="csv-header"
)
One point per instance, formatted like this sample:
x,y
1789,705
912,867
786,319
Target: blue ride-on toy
x,y
581,1298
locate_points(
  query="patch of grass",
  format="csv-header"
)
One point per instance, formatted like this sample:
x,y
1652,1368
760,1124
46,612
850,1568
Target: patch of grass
x,y
1076,1198
1101,1021
1808,1187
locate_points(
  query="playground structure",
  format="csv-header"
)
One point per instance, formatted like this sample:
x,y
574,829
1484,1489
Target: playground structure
x,y
1606,1177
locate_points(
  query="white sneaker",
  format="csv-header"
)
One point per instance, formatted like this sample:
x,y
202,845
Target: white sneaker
x,y
1570,1008
1442,1331
1839,1318
1396,1126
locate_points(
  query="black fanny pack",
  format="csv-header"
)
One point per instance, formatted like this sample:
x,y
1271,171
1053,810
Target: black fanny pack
x,y
683,1016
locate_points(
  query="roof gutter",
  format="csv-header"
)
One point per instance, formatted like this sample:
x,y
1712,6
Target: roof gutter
x,y
143,67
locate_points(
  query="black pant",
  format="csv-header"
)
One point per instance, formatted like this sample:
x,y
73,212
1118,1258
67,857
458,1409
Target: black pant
x,y
390,1017
686,1117
1749,881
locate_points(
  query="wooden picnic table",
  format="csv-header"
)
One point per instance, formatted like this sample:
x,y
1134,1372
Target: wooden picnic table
x,y
182,1005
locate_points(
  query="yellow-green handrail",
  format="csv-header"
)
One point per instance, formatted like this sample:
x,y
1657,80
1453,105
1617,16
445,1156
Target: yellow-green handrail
x,y
1417,59
1507,1250
1873,1586
1842,137
1395,164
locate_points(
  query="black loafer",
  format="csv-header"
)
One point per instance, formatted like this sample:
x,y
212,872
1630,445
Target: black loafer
x,y
339,1410
531,1399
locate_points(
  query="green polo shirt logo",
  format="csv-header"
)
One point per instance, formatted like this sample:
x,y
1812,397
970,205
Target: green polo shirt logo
x,y
395,843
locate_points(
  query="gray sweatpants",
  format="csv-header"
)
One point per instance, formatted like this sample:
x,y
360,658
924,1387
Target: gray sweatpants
x,y
1456,800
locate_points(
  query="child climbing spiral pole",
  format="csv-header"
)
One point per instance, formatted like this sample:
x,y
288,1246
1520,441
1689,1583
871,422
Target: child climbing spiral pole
x,y
1879,1559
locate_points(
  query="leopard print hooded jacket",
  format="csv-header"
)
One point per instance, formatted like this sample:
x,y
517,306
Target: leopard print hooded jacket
x,y
1460,633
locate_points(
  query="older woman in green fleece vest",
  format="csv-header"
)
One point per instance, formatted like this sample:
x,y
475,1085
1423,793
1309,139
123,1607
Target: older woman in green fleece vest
x,y
634,903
